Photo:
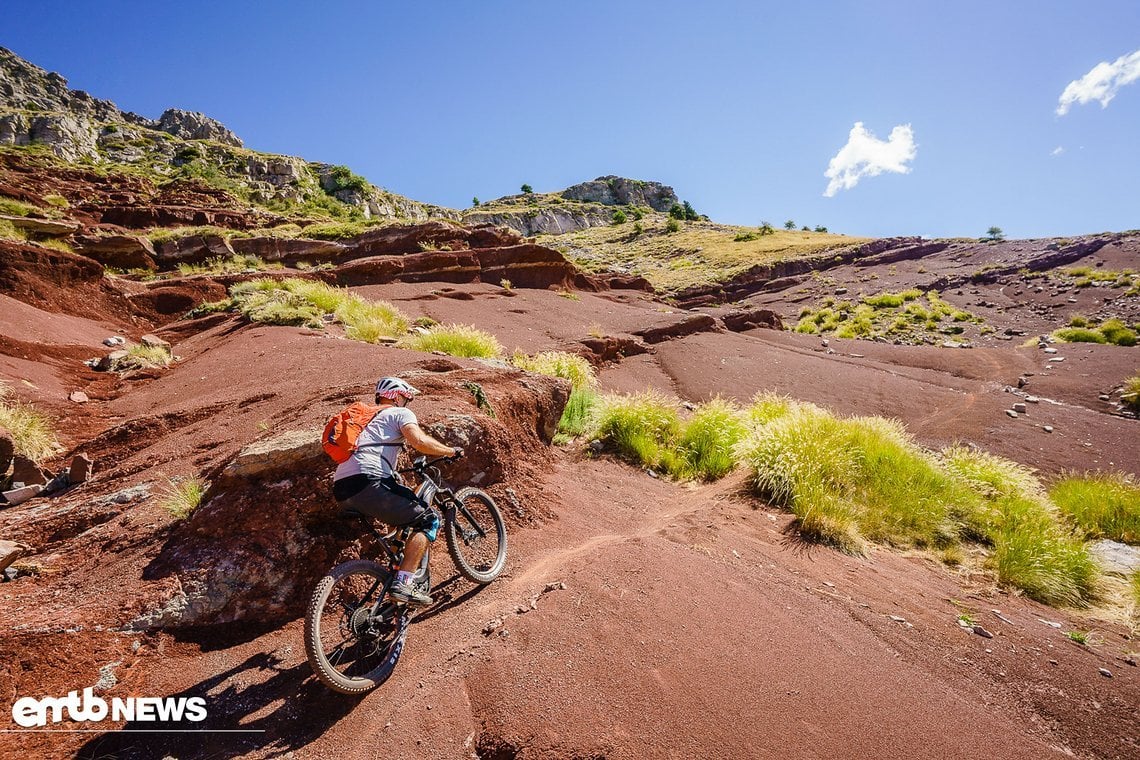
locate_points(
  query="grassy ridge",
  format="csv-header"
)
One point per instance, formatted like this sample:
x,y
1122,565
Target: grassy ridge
x,y
696,254
853,481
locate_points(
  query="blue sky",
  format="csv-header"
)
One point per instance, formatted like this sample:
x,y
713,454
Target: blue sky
x,y
739,106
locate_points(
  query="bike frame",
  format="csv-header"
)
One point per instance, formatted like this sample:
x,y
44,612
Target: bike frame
x,y
430,490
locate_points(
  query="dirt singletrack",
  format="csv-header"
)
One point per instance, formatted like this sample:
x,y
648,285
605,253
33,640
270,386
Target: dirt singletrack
x,y
679,622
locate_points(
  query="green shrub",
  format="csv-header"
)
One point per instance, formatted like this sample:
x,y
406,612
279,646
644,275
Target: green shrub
x,y
847,480
672,225
572,367
181,496
619,217
707,446
641,428
13,207
1079,335
456,340
31,430
9,231
1117,333
144,357
1032,550
527,189
892,300
369,321
343,178
57,201
578,415
1078,321
1100,505
1131,394
300,302
768,406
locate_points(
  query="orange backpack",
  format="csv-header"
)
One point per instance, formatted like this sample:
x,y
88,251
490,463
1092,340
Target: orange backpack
x,y
341,432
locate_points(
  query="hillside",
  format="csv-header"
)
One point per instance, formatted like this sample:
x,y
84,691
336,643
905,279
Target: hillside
x,y
188,336
37,108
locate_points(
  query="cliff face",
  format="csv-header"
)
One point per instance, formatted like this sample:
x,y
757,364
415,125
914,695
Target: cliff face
x,y
38,108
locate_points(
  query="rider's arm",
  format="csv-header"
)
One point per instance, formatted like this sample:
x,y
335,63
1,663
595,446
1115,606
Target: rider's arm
x,y
424,443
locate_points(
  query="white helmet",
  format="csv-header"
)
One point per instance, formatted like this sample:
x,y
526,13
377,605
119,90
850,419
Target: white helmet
x,y
393,388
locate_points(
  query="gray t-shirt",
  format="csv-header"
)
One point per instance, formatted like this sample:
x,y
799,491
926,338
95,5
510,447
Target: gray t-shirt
x,y
378,461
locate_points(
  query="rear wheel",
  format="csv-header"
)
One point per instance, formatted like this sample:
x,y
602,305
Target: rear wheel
x,y
350,649
477,537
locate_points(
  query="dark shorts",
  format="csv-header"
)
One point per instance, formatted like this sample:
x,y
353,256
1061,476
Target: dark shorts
x,y
386,500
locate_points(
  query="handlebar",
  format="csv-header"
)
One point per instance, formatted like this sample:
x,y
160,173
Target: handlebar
x,y
421,463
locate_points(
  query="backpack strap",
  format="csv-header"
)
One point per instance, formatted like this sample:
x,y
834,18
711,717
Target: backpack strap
x,y
375,445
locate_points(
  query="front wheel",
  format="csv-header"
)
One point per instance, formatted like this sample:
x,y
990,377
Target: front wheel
x,y
352,643
477,537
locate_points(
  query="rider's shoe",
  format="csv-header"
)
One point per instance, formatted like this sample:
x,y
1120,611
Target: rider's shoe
x,y
406,593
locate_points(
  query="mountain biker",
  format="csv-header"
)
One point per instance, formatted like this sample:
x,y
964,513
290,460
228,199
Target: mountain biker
x,y
368,482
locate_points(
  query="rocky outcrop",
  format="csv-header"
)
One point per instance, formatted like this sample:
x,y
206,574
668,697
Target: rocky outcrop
x,y
693,323
610,349
526,266
44,110
613,282
37,107
290,251
119,251
41,227
750,319
26,86
547,220
195,126
69,136
619,191
269,528
192,249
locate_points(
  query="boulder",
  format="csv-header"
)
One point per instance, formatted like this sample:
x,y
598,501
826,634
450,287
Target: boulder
x,y
295,450
19,495
80,469
111,360
1115,558
268,529
10,551
7,449
29,473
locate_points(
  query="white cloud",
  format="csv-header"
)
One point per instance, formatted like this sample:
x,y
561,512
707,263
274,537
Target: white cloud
x,y
1057,151
865,155
1101,83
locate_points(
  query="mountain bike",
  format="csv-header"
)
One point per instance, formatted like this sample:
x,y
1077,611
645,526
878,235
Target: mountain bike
x,y
354,631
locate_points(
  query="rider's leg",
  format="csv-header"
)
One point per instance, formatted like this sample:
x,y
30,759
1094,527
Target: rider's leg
x,y
414,550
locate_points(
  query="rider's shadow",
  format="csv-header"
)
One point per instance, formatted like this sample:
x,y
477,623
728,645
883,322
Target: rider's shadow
x,y
303,710
445,598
